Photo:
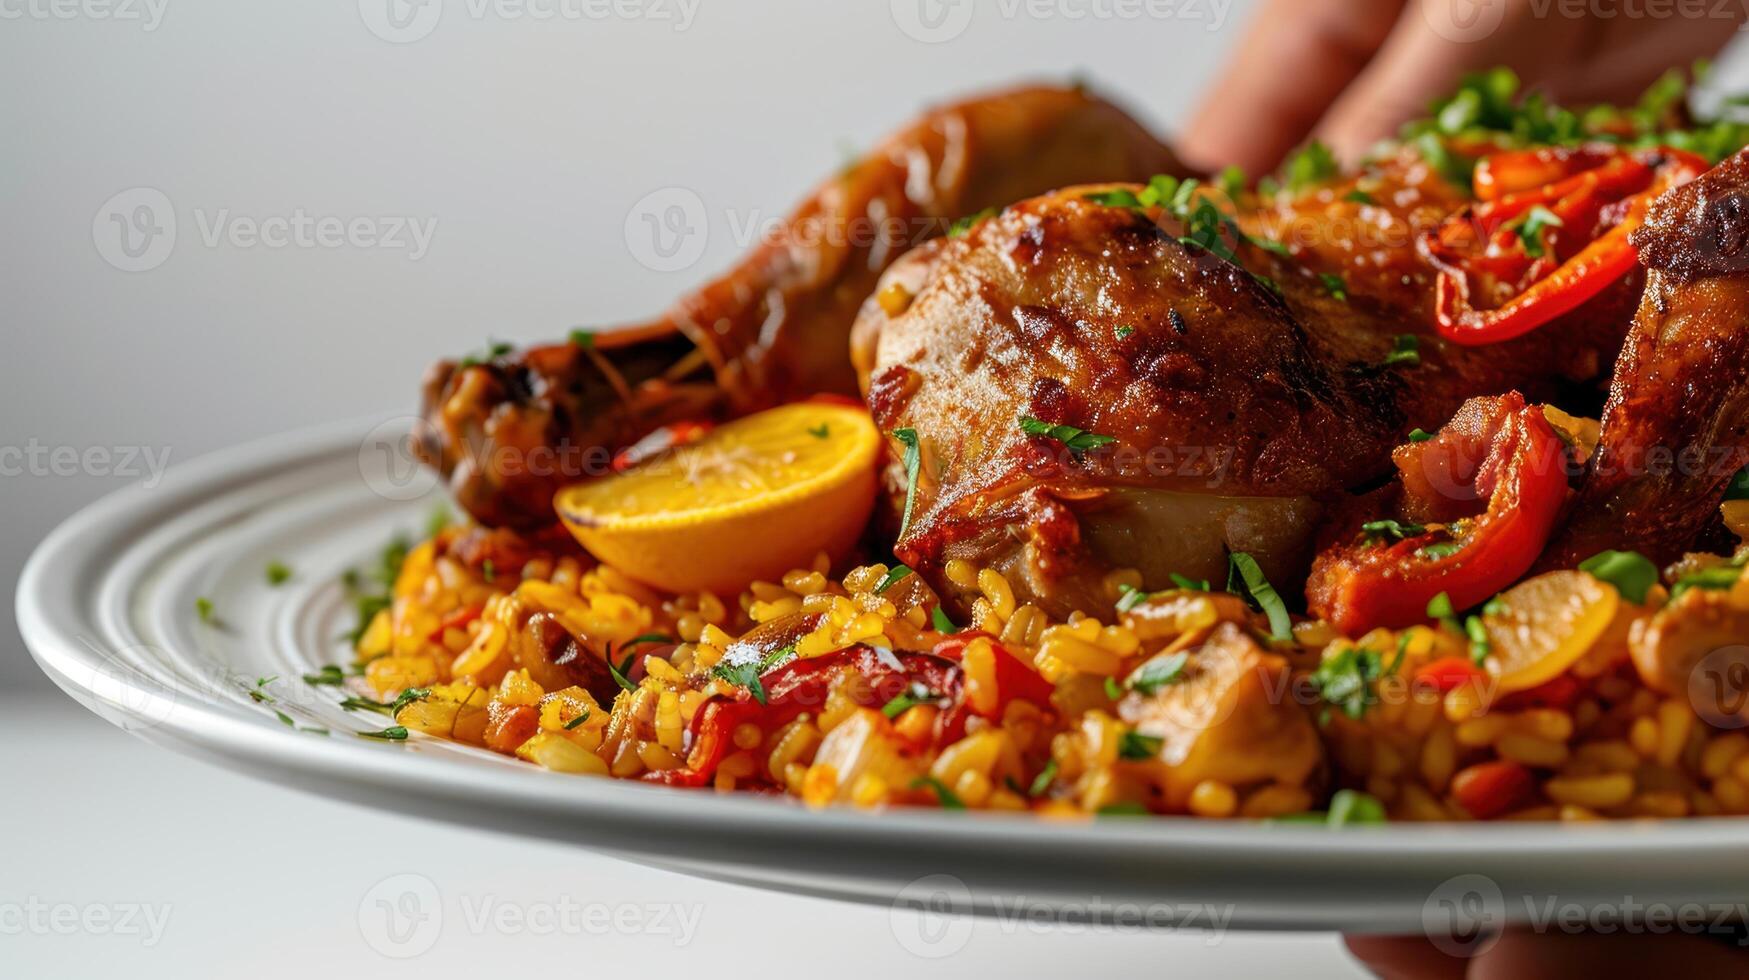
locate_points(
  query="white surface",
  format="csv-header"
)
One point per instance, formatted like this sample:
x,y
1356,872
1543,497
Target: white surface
x,y
262,882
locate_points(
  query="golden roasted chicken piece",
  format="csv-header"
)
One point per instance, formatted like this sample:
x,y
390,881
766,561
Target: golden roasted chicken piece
x,y
510,431
1091,390
1676,429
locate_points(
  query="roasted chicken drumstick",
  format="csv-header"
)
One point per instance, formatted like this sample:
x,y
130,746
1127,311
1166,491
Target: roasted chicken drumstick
x,y
510,431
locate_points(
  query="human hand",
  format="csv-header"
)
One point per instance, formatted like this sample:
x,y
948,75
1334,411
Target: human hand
x,y
1520,954
1349,72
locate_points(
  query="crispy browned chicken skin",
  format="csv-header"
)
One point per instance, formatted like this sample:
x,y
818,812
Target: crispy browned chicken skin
x,y
1676,428
510,432
1242,396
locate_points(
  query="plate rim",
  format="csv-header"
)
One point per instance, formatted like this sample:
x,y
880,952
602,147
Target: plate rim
x,y
48,612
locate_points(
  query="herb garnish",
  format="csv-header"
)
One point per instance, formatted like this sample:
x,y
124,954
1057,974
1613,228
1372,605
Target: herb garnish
x,y
1156,674
938,619
1345,680
747,674
278,573
203,608
1311,164
394,733
1131,598
1379,531
1632,573
1420,435
1135,746
892,578
965,224
583,338
1043,780
822,431
1334,285
943,795
1079,441
910,698
494,350
580,719
1531,227
1405,350
1738,489
1244,570
1480,643
913,462
331,675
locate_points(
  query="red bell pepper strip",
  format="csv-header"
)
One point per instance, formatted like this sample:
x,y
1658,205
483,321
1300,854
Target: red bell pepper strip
x,y
1447,674
1489,789
802,685
1015,679
1478,240
658,442
1497,450
457,620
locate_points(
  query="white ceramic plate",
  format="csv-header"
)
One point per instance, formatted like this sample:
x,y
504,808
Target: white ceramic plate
x,y
107,607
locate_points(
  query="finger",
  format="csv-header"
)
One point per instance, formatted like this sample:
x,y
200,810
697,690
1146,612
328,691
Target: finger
x,y
1521,954
1639,53
1419,62
1295,58
1405,958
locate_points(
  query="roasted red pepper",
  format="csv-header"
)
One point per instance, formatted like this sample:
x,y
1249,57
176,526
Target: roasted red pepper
x,y
1447,674
1015,679
662,440
1497,455
1597,196
1489,789
802,685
